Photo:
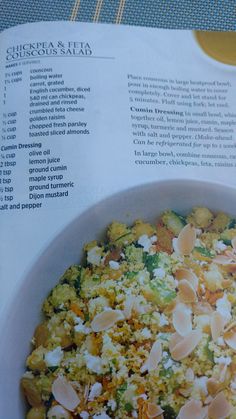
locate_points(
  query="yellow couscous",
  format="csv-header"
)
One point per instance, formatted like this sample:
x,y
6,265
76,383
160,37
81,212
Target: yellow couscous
x,y
145,328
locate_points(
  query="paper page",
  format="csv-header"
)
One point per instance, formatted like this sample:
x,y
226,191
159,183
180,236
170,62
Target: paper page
x,y
89,110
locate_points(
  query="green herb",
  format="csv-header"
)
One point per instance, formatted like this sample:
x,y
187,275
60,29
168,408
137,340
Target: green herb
x,y
169,412
232,223
208,352
131,275
52,369
151,261
166,373
120,391
128,407
86,317
203,251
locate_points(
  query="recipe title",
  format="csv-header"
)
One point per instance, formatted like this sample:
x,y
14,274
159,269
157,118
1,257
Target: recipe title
x,y
50,49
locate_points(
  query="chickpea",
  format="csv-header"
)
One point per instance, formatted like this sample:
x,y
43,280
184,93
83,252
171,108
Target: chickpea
x,y
37,413
41,335
31,391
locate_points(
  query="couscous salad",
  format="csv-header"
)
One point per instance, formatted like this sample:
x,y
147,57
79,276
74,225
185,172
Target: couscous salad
x,y
145,328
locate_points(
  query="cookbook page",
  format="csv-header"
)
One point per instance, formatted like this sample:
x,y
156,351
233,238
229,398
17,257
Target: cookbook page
x,y
89,110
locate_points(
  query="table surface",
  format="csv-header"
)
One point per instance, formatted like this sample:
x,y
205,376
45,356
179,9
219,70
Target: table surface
x,y
219,15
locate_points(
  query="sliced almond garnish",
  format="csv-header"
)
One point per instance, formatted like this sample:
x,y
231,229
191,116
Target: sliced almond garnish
x,y
154,357
186,345
186,240
153,410
174,340
202,307
65,394
106,319
182,319
230,326
58,411
230,338
192,410
187,293
217,325
189,275
219,407
222,260
128,306
213,386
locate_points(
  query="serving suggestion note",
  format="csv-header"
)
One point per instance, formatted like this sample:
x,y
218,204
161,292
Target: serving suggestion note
x,y
72,106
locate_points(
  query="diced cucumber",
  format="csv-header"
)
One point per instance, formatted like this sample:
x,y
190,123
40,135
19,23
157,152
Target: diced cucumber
x,y
173,221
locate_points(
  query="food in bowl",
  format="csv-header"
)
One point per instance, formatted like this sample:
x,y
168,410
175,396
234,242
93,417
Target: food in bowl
x,y
144,328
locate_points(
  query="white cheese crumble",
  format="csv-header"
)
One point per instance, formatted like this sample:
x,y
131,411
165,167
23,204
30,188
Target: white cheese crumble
x,y
223,306
134,414
226,360
153,239
145,242
220,341
112,404
96,391
80,327
102,415
53,358
159,273
94,363
163,321
145,333
219,246
114,265
94,256
168,364
84,415
200,384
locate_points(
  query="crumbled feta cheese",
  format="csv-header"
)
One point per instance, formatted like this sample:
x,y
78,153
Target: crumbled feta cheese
x,y
226,360
163,321
168,364
53,358
134,414
145,242
80,327
159,273
198,231
223,306
146,333
84,415
102,415
153,239
189,375
94,256
220,341
142,277
219,246
112,404
114,265
96,391
94,363
200,384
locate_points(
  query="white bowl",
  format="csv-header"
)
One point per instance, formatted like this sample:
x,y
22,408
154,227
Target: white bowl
x,y
147,202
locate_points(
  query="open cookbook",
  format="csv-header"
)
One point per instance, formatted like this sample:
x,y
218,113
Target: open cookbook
x,y
118,224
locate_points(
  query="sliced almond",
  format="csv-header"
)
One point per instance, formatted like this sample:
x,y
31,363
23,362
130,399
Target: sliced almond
x,y
174,340
187,293
230,326
186,345
154,357
186,240
222,260
65,394
230,338
213,386
185,391
129,305
182,319
106,319
153,410
189,275
202,307
192,410
223,373
217,325
219,407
